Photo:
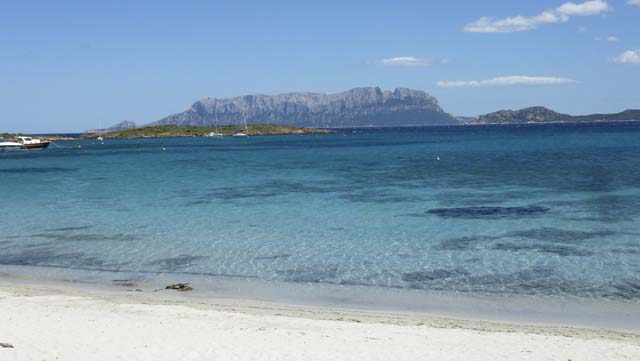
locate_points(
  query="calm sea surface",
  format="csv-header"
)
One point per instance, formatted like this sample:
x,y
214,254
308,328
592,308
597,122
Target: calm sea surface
x,y
526,211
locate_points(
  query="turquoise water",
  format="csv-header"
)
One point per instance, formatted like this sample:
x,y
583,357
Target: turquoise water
x,y
525,211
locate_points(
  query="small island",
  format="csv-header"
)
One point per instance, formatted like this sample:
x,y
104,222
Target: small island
x,y
542,115
170,131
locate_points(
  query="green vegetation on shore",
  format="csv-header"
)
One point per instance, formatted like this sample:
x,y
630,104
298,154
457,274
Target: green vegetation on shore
x,y
166,131
47,137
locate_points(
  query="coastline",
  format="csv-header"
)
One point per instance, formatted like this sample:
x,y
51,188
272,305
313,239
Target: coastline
x,y
175,131
60,136
470,307
57,310
72,323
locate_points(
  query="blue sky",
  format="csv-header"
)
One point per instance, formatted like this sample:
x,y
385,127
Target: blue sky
x,y
75,65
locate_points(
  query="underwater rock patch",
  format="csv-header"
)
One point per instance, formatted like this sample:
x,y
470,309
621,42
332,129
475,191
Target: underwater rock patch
x,y
86,237
70,228
45,255
36,170
175,263
559,235
379,197
629,289
272,257
544,248
310,275
487,212
426,276
461,243
465,199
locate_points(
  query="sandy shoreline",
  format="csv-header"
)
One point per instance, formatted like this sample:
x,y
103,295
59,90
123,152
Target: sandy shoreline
x,y
581,313
48,322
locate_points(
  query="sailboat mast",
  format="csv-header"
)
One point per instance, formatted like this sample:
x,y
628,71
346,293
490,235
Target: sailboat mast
x,y
215,117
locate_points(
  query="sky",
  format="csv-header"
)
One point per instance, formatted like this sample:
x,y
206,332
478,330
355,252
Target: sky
x,y
68,66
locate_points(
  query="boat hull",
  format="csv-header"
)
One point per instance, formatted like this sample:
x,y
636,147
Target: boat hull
x,y
11,148
41,145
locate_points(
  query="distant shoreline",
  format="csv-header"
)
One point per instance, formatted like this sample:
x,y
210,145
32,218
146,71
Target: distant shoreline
x,y
175,131
576,122
332,130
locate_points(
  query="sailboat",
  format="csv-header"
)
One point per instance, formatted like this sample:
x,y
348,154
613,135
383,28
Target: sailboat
x,y
245,133
100,138
215,133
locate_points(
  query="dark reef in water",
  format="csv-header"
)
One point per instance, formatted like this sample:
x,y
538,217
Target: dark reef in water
x,y
28,170
461,243
86,237
559,235
172,264
69,228
487,212
559,250
426,276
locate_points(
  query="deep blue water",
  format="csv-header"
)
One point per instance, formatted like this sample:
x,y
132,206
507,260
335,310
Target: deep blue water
x,y
529,211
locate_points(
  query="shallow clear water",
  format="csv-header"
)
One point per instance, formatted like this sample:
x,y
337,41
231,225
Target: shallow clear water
x,y
527,211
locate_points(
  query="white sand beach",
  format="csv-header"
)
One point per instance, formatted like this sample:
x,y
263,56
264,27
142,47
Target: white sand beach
x,y
60,323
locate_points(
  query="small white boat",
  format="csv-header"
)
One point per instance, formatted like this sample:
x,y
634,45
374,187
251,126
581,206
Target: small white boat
x,y
7,146
215,133
100,139
243,133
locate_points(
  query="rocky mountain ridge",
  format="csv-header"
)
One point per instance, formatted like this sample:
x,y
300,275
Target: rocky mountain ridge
x,y
358,107
127,124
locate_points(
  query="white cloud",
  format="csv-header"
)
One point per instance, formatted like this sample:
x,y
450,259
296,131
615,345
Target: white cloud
x,y
633,2
611,39
628,57
587,8
583,29
560,14
507,80
405,61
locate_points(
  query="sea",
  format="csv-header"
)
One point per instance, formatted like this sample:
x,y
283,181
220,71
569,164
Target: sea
x,y
526,212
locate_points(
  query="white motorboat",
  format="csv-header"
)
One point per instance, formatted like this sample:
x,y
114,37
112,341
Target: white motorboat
x,y
214,135
7,146
33,143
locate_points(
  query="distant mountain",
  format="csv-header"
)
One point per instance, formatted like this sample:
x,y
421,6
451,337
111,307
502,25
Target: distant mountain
x,y
359,107
629,114
526,115
120,126
544,115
